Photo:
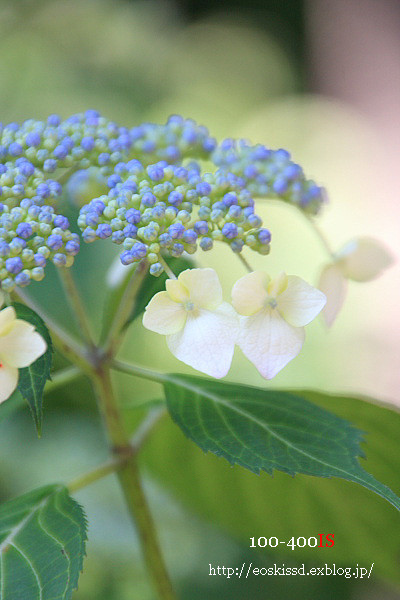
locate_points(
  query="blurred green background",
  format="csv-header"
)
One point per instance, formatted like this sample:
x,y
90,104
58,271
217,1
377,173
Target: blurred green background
x,y
306,76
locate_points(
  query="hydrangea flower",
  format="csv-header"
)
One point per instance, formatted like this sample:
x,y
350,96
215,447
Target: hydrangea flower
x,y
20,346
362,259
274,313
201,328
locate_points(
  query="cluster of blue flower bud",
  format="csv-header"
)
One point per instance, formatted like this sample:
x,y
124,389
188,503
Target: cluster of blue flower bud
x,y
178,139
157,200
269,173
31,235
172,209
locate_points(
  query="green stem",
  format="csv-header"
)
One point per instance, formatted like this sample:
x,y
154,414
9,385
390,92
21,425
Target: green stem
x,y
69,347
245,263
94,475
129,477
113,465
321,237
139,371
62,377
125,308
167,269
74,299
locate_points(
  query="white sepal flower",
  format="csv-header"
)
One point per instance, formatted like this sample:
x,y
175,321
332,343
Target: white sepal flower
x,y
274,315
201,328
20,346
362,259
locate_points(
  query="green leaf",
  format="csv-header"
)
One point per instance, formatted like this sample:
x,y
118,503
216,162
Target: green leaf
x,y
245,505
42,545
268,430
150,286
32,379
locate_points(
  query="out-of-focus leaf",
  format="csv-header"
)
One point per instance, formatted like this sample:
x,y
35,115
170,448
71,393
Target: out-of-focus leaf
x,y
42,545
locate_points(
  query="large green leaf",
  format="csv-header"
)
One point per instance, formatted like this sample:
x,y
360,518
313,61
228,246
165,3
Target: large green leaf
x,y
364,525
42,545
268,430
32,379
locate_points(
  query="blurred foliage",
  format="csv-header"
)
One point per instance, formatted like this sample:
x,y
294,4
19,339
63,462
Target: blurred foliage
x,y
142,60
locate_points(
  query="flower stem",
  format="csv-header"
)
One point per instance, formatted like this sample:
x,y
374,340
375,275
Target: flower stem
x,y
130,480
139,371
321,236
125,308
245,263
62,377
69,347
116,463
167,269
75,301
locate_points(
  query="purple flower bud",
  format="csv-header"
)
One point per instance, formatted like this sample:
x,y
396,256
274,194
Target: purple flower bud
x,y
229,230
15,149
24,230
54,241
61,221
190,236
175,198
133,216
176,230
40,260
14,265
33,139
201,227
60,152
72,247
104,231
264,235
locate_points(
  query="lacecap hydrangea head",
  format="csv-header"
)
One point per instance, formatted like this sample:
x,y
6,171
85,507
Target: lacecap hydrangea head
x,y
172,209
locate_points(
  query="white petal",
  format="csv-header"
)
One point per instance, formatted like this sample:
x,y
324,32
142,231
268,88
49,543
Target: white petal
x,y
334,286
7,317
363,259
163,315
300,303
8,381
207,341
204,287
269,342
250,292
22,345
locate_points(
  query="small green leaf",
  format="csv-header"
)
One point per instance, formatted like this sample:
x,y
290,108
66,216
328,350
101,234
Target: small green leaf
x,y
42,545
266,430
32,379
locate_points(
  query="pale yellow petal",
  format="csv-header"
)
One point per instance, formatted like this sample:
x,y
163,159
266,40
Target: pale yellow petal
x,y
300,303
163,315
8,381
204,287
249,293
333,284
22,345
7,317
269,342
278,285
176,290
364,259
